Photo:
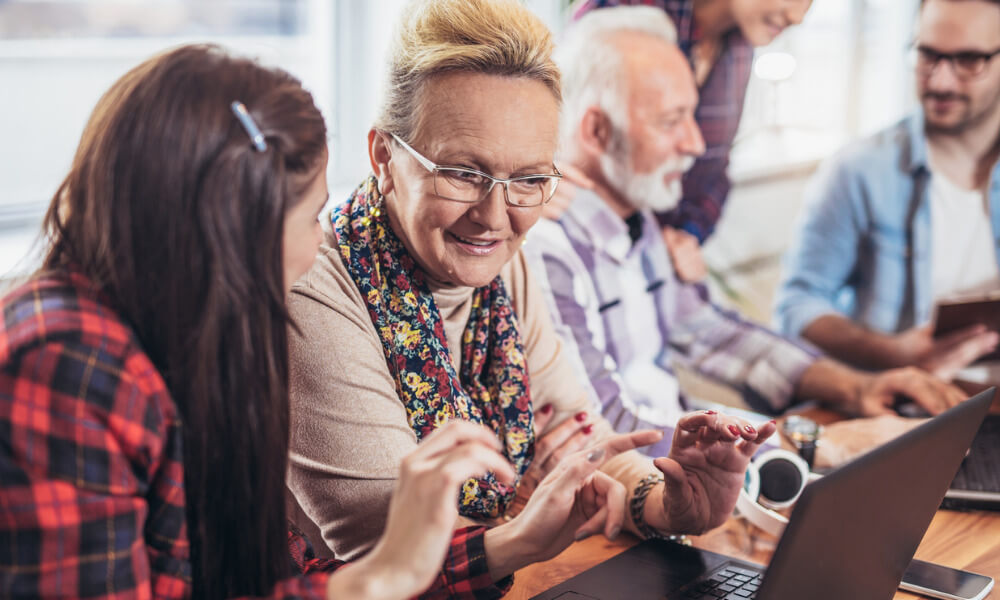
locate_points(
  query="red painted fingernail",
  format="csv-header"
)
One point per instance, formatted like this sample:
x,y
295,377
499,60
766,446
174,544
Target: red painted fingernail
x,y
773,421
588,429
581,416
750,429
546,409
709,412
733,429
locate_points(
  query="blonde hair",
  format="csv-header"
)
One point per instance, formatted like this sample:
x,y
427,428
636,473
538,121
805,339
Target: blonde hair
x,y
492,37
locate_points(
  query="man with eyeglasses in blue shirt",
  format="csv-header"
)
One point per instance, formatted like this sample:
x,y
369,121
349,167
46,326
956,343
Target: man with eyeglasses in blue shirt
x,y
910,216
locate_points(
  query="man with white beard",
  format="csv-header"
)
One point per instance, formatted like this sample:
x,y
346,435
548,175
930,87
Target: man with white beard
x,y
628,125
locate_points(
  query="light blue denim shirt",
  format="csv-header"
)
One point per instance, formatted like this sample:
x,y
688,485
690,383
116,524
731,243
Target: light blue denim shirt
x,y
864,247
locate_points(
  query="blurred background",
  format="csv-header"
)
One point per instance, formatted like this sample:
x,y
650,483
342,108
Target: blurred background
x,y
842,74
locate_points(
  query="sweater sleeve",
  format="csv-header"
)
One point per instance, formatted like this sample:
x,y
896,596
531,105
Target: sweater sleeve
x,y
349,431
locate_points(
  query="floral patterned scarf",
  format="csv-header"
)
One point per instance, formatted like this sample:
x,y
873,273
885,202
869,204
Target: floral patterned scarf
x,y
492,388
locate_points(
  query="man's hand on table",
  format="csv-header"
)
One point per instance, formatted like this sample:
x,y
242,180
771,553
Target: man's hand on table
x,y
878,394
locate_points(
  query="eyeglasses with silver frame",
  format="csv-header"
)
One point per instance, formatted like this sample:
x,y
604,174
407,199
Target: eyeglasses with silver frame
x,y
462,184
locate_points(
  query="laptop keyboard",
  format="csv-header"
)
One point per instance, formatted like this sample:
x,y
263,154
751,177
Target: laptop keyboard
x,y
980,472
728,583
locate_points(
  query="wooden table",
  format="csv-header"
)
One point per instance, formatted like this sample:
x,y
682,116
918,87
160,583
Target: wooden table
x,y
965,540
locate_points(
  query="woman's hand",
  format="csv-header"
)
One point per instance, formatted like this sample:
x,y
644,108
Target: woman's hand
x,y
570,436
422,513
685,254
704,472
574,501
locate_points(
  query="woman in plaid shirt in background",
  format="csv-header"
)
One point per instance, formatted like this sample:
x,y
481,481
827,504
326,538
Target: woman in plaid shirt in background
x,y
144,372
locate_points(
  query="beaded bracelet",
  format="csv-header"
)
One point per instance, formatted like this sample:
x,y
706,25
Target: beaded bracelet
x,y
637,507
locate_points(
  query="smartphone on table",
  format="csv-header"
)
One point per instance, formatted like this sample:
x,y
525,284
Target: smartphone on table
x,y
938,581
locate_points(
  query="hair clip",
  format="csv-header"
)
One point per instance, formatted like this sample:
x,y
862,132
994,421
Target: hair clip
x,y
243,115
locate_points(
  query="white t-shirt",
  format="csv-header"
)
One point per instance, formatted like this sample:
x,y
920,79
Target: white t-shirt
x,y
964,261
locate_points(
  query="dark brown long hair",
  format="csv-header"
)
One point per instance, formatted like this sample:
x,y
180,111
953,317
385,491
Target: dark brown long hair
x,y
170,211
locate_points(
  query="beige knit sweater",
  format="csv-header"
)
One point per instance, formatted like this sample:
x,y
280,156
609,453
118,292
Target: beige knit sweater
x,y
349,429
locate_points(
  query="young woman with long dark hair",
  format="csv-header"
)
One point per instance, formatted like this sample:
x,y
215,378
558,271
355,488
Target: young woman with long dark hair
x,y
144,418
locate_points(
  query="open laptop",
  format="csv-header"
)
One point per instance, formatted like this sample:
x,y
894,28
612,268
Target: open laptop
x,y
851,534
977,484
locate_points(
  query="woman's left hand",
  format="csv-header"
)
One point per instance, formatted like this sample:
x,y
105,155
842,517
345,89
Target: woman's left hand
x,y
705,469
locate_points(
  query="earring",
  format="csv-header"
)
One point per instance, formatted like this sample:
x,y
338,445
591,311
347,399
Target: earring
x,y
374,207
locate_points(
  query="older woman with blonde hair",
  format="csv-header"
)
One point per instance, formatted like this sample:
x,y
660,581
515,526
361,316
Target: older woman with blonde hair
x,y
420,309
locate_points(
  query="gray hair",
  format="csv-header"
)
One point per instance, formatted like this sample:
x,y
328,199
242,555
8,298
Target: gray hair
x,y
591,64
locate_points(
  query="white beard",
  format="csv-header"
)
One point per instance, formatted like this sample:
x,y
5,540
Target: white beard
x,y
647,190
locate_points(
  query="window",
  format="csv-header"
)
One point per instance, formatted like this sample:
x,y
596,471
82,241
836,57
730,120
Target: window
x,y
849,78
58,56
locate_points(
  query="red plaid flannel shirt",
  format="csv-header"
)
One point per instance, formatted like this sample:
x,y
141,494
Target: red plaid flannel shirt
x,y
92,496
720,105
